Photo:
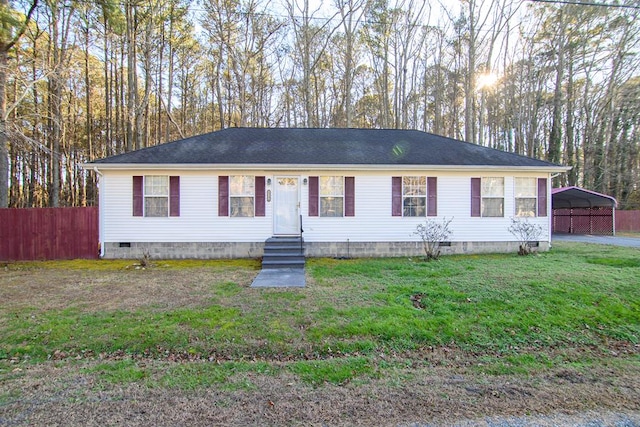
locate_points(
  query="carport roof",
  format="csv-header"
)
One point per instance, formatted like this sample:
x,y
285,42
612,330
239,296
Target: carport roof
x,y
576,197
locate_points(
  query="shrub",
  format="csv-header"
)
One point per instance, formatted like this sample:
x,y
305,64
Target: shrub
x,y
526,233
432,234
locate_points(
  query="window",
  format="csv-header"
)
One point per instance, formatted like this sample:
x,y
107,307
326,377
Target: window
x,y
156,196
241,195
492,197
526,192
414,195
331,196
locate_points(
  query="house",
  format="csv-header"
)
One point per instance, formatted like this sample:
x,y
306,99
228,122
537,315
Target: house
x,y
348,192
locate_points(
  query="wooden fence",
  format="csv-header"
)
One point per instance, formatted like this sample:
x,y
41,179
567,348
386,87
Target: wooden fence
x,y
48,233
597,220
628,221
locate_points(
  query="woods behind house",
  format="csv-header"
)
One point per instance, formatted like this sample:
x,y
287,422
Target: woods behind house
x,y
81,80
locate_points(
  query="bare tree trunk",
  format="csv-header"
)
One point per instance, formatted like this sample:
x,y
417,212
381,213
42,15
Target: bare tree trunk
x,y
470,79
570,148
555,137
132,81
4,149
142,111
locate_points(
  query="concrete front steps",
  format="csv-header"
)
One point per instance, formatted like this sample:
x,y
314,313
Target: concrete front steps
x,y
283,252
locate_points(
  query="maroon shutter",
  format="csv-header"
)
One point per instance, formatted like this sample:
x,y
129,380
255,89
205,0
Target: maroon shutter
x,y
476,196
223,196
314,194
396,196
349,196
174,196
542,197
138,196
432,196
260,199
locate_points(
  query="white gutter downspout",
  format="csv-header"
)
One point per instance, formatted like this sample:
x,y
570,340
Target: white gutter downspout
x,y
99,175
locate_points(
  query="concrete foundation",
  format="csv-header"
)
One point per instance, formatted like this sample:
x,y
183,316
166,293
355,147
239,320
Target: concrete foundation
x,y
211,250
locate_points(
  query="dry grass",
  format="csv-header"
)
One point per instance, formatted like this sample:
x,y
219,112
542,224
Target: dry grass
x,y
125,288
54,394
440,384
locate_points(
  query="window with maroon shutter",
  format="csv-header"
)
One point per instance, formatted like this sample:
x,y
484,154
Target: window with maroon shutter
x,y
542,197
260,196
174,196
432,196
349,196
156,196
138,196
487,197
476,196
314,195
396,196
223,196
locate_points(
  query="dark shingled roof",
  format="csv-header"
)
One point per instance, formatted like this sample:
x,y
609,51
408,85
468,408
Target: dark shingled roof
x,y
281,146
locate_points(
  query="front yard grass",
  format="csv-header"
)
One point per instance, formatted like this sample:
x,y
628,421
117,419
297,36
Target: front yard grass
x,y
198,324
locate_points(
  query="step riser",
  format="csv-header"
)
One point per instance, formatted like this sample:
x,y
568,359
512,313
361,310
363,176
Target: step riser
x,y
282,265
283,255
283,252
280,252
292,247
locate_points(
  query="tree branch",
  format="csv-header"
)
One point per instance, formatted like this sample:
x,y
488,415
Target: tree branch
x,y
12,43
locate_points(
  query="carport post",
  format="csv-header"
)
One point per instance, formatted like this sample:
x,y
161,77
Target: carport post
x,y
613,222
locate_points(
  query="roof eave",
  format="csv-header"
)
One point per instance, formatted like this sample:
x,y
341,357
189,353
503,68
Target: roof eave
x,y
359,167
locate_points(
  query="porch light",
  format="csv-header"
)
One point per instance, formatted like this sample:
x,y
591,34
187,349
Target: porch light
x,y
304,181
268,181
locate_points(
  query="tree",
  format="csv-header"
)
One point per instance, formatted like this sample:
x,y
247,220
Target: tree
x,y
11,29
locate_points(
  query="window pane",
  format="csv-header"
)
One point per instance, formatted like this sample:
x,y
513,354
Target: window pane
x,y
492,207
414,185
331,206
241,185
492,187
414,206
241,206
331,185
156,185
156,206
526,187
525,207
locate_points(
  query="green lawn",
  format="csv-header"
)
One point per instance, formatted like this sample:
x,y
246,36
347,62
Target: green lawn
x,y
576,304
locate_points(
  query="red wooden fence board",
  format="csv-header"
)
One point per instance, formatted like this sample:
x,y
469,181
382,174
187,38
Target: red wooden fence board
x,y
627,220
48,233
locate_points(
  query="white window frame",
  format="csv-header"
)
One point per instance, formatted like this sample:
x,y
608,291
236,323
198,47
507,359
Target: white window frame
x,y
408,192
327,197
525,192
241,210
154,192
488,195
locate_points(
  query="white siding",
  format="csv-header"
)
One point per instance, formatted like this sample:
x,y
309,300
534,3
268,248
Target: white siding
x,y
199,220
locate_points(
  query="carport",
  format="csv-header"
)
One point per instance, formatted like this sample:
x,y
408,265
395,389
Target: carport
x,y
580,211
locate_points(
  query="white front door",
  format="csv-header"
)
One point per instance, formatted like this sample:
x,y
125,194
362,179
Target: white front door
x,y
286,206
